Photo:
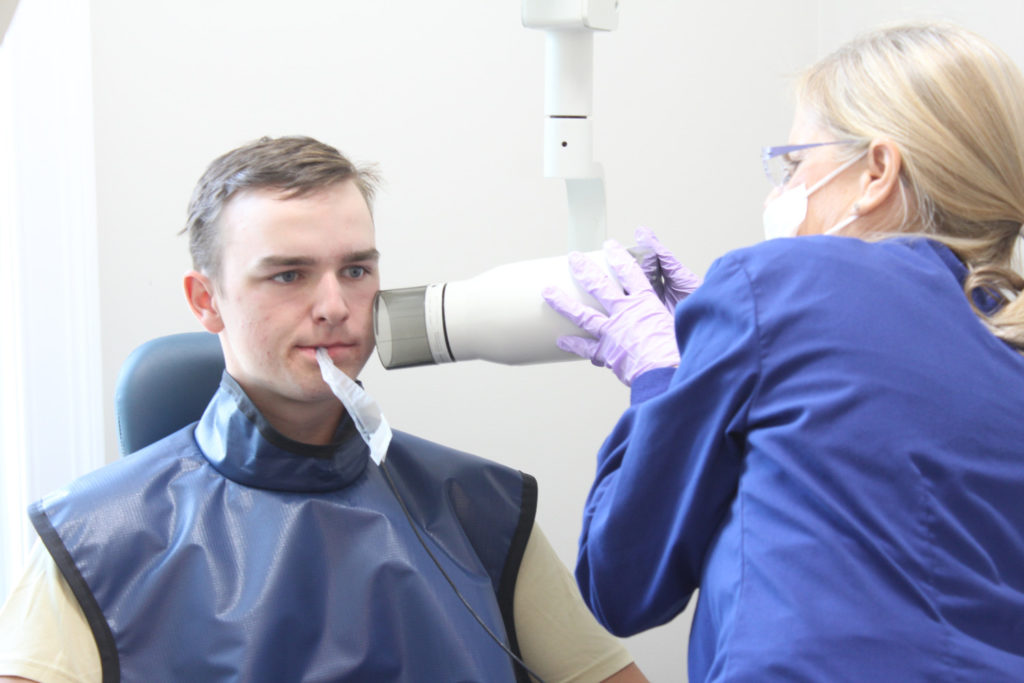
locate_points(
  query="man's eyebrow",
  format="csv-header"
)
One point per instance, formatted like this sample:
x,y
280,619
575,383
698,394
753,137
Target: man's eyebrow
x,y
284,261
365,255
305,261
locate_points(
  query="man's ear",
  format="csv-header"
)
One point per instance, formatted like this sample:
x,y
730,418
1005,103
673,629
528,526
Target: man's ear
x,y
882,179
202,300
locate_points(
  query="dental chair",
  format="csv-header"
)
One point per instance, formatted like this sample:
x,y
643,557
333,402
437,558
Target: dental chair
x,y
164,385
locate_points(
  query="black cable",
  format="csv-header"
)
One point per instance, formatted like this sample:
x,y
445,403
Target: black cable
x,y
437,563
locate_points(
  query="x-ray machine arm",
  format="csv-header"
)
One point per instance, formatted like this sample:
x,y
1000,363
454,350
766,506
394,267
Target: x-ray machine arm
x,y
569,27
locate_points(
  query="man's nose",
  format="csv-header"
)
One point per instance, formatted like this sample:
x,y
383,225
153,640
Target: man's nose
x,y
330,305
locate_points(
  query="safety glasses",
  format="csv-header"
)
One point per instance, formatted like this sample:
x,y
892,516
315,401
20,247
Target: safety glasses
x,y
779,167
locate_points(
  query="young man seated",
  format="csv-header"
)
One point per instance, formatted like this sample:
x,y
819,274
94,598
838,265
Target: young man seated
x,y
262,542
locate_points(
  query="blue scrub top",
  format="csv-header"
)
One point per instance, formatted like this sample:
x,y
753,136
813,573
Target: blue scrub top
x,y
837,465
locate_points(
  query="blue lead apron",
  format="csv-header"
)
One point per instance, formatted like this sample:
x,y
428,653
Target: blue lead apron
x,y
228,552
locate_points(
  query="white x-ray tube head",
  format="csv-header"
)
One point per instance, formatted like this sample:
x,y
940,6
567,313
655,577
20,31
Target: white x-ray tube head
x,y
499,316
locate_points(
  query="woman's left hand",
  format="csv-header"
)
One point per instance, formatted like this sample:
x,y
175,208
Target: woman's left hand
x,y
634,334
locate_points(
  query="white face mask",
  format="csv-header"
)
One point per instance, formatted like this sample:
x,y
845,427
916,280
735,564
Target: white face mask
x,y
784,215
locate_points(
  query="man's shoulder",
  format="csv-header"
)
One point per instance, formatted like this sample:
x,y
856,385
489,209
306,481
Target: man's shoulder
x,y
429,465
408,450
124,475
170,449
495,504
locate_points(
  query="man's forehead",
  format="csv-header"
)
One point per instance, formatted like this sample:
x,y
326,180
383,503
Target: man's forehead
x,y
265,208
283,197
262,229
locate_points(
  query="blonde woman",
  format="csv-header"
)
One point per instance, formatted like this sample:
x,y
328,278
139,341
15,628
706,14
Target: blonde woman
x,y
837,462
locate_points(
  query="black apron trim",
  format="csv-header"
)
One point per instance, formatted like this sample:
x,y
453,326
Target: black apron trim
x,y
510,572
109,660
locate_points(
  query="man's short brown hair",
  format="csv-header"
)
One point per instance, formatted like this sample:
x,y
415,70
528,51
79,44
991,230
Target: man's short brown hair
x,y
293,165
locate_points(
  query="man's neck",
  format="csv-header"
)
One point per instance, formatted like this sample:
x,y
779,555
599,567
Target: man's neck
x,y
306,422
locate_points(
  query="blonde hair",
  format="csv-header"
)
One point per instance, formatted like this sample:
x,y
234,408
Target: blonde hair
x,y
953,103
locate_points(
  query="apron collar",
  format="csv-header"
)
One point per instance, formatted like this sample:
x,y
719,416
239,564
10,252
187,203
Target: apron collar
x,y
242,445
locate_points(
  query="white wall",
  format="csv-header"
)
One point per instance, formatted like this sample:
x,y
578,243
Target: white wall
x,y
447,97
50,348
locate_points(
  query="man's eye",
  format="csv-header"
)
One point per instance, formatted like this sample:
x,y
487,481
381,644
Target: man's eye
x,y
286,277
354,272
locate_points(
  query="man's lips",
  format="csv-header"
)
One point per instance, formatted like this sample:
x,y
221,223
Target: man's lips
x,y
333,348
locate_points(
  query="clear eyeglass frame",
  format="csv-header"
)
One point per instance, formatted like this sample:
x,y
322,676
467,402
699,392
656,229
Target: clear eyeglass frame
x,y
778,168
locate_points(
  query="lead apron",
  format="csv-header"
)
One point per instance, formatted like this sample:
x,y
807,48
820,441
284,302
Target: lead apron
x,y
228,552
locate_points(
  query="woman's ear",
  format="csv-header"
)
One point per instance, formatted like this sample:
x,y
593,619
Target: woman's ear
x,y
882,179
199,292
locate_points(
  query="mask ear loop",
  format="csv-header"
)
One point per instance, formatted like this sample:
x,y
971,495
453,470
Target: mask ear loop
x,y
906,205
903,221
843,223
856,207
836,171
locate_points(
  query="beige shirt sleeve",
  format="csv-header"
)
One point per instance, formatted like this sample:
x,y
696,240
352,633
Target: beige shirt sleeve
x,y
43,633
558,636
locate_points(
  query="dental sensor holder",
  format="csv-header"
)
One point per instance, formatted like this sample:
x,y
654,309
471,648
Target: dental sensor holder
x,y
365,413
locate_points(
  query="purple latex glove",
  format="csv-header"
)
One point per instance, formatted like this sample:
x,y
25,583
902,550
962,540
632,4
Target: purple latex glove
x,y
636,334
680,282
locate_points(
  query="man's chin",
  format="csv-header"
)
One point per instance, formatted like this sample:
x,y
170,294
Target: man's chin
x,y
350,368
